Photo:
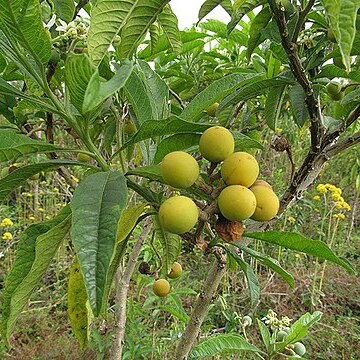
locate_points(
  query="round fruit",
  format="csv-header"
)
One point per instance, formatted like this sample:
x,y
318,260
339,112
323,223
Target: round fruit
x,y
236,203
216,144
179,169
240,168
83,157
247,320
286,329
299,348
4,171
178,214
281,335
175,271
161,287
267,203
211,110
333,88
338,97
262,183
129,128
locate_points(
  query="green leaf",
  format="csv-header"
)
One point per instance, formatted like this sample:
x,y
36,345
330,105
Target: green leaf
x,y
255,37
96,206
222,344
353,96
332,71
170,243
22,20
182,141
14,145
207,7
297,242
138,21
65,9
269,262
19,176
78,73
244,142
297,100
173,125
154,32
273,105
36,249
252,279
98,91
342,19
265,335
215,92
77,309
151,172
169,23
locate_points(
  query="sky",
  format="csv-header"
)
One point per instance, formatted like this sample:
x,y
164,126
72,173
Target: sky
x,y
187,12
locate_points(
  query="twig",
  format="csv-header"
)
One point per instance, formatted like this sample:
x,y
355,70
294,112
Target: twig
x,y
177,97
301,20
79,6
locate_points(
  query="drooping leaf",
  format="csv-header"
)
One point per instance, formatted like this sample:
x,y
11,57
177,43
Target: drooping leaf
x,y
207,7
215,92
255,37
172,125
77,309
265,335
98,91
297,242
36,249
222,344
170,243
151,172
78,73
142,15
65,9
244,142
96,206
273,105
14,145
22,21
297,99
169,24
19,176
353,96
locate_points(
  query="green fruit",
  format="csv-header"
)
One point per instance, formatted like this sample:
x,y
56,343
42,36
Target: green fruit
x,y
236,203
4,171
129,128
216,144
161,287
247,320
299,348
267,203
211,110
178,214
286,329
281,335
175,271
333,88
179,169
83,157
240,168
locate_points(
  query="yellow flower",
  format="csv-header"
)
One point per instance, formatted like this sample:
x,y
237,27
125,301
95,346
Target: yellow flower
x,y
47,217
321,188
341,216
339,205
75,178
336,216
331,187
316,197
6,222
279,130
346,206
338,191
41,209
31,218
336,196
297,255
291,220
7,236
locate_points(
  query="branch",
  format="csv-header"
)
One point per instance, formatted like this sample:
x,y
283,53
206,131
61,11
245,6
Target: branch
x,y
299,72
301,20
342,145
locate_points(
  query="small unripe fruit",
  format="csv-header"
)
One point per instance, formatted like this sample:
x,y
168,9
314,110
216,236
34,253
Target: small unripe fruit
x,y
261,183
216,144
299,348
175,271
211,110
129,128
179,169
161,287
333,88
83,157
178,214
338,97
247,320
236,203
286,329
267,203
281,335
240,168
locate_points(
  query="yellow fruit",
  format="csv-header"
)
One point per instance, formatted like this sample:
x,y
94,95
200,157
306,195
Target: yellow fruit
x,y
175,271
216,144
261,183
211,110
179,169
83,157
161,287
267,203
240,168
236,203
178,214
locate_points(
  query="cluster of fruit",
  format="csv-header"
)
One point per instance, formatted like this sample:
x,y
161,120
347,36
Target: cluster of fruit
x,y
297,348
242,195
161,287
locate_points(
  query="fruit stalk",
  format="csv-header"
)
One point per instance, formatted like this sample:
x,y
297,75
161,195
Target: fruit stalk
x,y
201,308
122,287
